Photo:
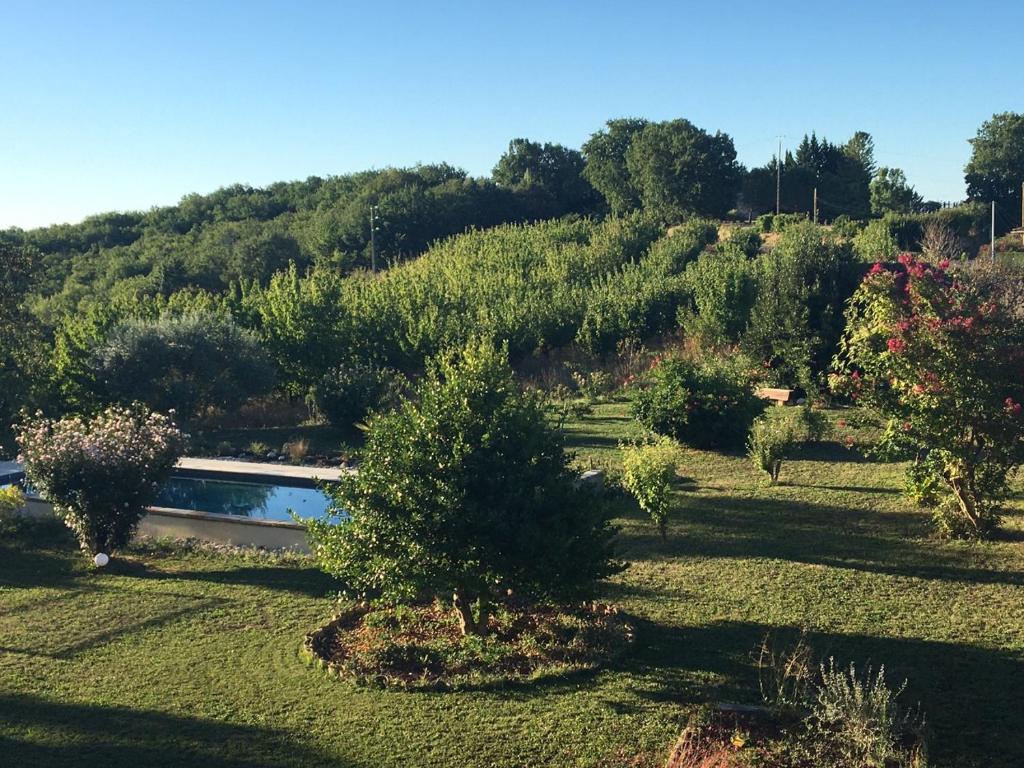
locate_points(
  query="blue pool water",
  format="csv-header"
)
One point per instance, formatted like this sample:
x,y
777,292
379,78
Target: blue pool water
x,y
259,501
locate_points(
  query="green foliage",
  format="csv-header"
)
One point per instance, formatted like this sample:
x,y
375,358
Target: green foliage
x,y
642,298
796,321
648,471
549,173
846,228
680,170
890,192
101,473
706,405
747,240
10,499
783,221
531,286
771,439
241,233
720,289
875,242
605,154
464,493
257,448
774,435
996,167
347,393
968,222
840,172
938,357
190,364
22,368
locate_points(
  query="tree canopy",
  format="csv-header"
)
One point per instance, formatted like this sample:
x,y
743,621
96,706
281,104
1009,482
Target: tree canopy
x,y
995,171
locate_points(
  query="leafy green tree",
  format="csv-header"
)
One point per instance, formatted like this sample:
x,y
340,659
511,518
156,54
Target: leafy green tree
x,y
681,170
21,343
190,364
996,168
605,155
550,173
721,288
875,242
797,319
648,471
464,493
861,149
891,192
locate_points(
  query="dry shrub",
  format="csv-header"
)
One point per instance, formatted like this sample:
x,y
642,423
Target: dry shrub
x,y
939,242
297,449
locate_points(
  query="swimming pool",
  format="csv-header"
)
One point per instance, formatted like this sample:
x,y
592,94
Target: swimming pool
x,y
257,501
269,500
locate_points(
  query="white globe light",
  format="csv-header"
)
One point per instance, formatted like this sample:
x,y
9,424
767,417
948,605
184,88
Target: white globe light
x,y
101,559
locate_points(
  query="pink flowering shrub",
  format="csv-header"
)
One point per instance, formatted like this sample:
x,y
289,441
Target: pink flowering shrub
x,y
941,360
101,473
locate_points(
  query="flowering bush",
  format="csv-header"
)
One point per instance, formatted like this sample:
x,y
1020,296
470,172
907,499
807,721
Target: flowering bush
x,y
100,473
941,358
705,406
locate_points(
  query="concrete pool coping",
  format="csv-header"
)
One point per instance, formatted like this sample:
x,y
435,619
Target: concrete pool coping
x,y
251,471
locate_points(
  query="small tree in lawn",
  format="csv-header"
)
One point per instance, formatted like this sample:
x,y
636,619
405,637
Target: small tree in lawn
x,y
464,493
648,471
940,357
101,473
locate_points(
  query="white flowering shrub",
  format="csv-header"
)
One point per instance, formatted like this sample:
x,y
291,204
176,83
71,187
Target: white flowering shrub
x,y
100,473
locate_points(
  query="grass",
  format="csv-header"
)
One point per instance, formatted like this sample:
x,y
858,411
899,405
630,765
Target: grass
x,y
186,658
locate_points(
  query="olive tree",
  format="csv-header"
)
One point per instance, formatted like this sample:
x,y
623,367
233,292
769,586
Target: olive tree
x,y
189,363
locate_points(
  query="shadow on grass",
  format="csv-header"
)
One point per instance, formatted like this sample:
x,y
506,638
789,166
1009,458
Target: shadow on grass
x,y
41,732
970,696
71,643
818,534
307,581
832,452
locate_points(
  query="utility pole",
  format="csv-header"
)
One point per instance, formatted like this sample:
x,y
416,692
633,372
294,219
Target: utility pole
x,y
815,209
992,241
373,239
778,179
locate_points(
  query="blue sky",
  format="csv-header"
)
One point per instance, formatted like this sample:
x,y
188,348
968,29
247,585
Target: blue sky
x,y
114,106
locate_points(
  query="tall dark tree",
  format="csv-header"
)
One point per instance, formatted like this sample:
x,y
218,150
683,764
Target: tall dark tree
x,y
605,153
841,175
995,171
679,169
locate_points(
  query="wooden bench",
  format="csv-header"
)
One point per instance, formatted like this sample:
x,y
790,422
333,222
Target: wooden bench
x,y
780,396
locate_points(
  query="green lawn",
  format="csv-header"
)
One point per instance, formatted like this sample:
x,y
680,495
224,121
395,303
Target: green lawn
x,y
193,658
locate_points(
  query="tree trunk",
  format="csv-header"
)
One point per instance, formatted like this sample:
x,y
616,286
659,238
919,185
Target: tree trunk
x,y
464,609
967,500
